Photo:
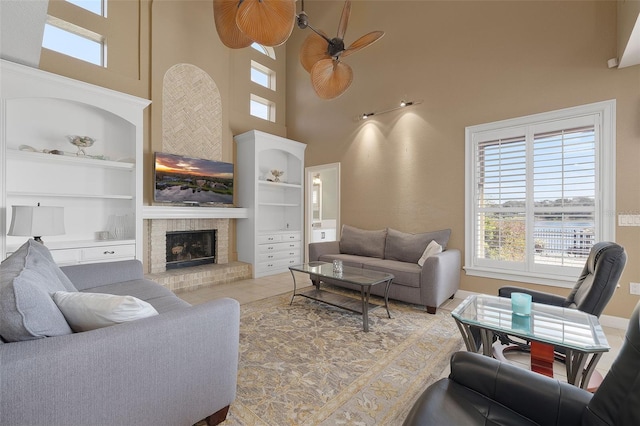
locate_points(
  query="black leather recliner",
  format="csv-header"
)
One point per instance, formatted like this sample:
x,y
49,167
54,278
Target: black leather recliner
x,y
484,391
591,293
594,287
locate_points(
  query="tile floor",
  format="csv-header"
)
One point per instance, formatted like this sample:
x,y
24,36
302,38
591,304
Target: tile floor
x,y
249,290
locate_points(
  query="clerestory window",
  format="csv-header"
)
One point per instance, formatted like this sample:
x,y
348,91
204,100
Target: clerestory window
x,y
263,106
73,39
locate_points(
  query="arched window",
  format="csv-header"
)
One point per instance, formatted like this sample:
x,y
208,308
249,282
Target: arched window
x,y
268,51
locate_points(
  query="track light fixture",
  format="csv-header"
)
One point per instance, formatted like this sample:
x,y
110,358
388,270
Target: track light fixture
x,y
403,104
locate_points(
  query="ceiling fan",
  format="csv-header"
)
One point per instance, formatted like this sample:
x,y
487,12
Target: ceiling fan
x,y
240,23
321,56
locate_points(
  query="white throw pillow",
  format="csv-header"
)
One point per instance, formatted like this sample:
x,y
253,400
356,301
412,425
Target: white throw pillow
x,y
432,248
88,311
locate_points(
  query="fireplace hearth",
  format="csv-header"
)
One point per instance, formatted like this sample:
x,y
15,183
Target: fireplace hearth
x,y
190,248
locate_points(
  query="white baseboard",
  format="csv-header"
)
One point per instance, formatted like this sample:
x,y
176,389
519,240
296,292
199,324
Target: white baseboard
x,y
605,320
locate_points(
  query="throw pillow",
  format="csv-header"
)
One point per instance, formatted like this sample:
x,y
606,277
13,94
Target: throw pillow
x,y
28,278
51,264
88,311
406,247
362,242
432,248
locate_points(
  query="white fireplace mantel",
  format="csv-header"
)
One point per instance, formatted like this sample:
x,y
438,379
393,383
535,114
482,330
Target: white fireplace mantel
x,y
174,212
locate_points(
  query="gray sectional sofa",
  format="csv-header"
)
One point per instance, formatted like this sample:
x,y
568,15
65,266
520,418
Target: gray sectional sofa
x,y
175,367
398,253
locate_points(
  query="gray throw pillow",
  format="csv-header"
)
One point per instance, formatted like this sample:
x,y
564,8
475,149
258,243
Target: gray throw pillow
x,y
52,265
407,247
28,278
362,242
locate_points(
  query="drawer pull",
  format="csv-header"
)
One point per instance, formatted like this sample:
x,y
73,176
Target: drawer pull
x,y
109,252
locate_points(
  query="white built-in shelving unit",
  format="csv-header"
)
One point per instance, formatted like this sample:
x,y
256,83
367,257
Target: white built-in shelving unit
x,y
271,237
100,191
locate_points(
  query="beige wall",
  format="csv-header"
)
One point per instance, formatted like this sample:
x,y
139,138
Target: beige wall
x,y
471,62
127,32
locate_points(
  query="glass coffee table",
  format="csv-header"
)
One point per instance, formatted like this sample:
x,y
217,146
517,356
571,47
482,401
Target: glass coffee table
x,y
363,278
577,332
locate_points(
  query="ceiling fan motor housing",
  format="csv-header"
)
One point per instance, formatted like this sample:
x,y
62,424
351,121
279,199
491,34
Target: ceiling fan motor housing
x,y
302,20
336,45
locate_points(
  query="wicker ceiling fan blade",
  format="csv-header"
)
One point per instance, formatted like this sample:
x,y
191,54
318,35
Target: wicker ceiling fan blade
x,y
363,42
331,78
344,19
224,16
267,22
313,49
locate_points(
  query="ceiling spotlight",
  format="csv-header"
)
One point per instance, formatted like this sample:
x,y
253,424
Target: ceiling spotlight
x,y
367,115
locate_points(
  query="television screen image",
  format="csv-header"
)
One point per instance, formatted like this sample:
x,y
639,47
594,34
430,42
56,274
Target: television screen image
x,y
180,179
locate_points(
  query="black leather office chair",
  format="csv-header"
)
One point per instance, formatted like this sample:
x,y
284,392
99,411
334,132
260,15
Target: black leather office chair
x,y
592,292
484,391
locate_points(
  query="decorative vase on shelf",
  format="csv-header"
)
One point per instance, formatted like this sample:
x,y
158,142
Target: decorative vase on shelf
x,y
81,142
276,174
117,226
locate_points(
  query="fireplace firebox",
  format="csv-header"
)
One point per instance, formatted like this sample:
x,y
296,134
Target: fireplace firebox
x,y
190,248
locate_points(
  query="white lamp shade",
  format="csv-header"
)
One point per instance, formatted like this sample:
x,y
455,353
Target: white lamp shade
x,y
37,220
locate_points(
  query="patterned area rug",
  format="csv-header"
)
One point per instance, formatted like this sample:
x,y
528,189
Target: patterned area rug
x,y
311,364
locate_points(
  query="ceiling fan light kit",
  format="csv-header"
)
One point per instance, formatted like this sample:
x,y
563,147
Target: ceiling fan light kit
x,y
240,23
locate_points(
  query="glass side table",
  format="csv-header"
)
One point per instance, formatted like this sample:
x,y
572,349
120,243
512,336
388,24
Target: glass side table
x,y
577,332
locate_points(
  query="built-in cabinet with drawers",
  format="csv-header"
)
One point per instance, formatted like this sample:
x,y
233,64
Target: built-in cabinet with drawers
x,y
271,237
100,189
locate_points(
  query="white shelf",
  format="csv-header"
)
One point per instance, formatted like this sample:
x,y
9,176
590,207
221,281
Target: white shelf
x,y
280,184
279,204
68,195
57,245
68,158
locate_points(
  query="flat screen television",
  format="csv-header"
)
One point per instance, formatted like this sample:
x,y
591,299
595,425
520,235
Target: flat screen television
x,y
180,179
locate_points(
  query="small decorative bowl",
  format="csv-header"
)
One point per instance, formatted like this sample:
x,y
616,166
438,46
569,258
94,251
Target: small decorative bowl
x,y
81,142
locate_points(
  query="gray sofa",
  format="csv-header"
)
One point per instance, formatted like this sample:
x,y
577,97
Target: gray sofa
x,y
174,368
398,253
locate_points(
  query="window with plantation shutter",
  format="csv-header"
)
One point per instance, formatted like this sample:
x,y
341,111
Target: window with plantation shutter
x,y
540,192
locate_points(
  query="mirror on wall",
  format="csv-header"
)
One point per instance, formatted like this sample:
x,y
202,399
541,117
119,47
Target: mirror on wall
x,y
316,198
322,201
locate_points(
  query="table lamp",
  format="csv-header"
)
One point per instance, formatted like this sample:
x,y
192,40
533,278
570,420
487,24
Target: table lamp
x,y
36,221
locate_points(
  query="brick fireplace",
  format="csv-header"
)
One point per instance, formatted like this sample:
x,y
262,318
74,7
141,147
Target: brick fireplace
x,y
160,228
162,220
